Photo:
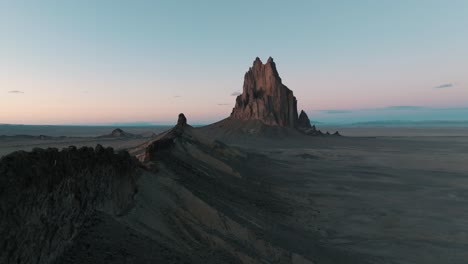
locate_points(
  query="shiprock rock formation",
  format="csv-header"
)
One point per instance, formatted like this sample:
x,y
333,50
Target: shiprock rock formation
x,y
265,107
265,97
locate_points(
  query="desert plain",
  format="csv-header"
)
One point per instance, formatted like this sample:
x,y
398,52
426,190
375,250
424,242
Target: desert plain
x,y
373,195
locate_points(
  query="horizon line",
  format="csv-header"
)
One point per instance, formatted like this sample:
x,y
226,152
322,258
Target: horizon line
x,y
150,124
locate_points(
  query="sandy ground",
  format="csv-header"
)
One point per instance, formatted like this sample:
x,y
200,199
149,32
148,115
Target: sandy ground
x,y
386,197
394,200
398,131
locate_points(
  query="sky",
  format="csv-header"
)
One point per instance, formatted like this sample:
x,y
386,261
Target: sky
x,y
112,61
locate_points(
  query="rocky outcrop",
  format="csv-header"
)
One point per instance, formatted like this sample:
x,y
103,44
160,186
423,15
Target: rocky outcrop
x,y
46,195
181,124
119,133
181,121
265,97
305,127
266,108
157,147
214,197
303,122
268,102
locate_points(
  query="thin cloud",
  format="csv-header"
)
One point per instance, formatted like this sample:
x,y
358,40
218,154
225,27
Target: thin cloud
x,y
236,93
16,92
445,85
335,111
403,107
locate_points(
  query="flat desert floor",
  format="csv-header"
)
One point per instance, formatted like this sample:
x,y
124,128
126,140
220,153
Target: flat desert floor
x,y
393,200
375,195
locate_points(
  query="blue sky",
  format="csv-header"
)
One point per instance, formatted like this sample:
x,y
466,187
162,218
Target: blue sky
x,y
146,61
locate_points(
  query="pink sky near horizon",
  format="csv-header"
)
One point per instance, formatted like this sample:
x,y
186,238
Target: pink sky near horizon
x,y
91,99
101,62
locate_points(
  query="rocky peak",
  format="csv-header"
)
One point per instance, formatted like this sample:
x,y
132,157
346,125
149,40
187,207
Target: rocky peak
x,y
303,121
257,61
182,120
181,124
153,151
117,132
265,97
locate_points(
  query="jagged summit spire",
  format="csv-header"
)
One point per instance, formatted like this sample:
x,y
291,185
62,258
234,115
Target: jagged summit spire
x,y
181,124
182,120
265,98
257,61
303,121
269,68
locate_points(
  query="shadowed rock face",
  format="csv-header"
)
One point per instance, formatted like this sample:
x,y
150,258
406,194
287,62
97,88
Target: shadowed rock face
x,y
265,98
47,195
117,133
211,182
182,120
303,121
156,147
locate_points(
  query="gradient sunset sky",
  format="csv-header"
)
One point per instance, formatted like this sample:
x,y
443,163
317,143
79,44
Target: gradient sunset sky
x,y
102,62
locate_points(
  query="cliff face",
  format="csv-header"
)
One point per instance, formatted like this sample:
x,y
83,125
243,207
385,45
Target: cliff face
x,y
46,196
265,98
266,108
153,149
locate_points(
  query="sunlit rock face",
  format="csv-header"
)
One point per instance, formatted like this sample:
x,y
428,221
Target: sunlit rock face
x,y
265,97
